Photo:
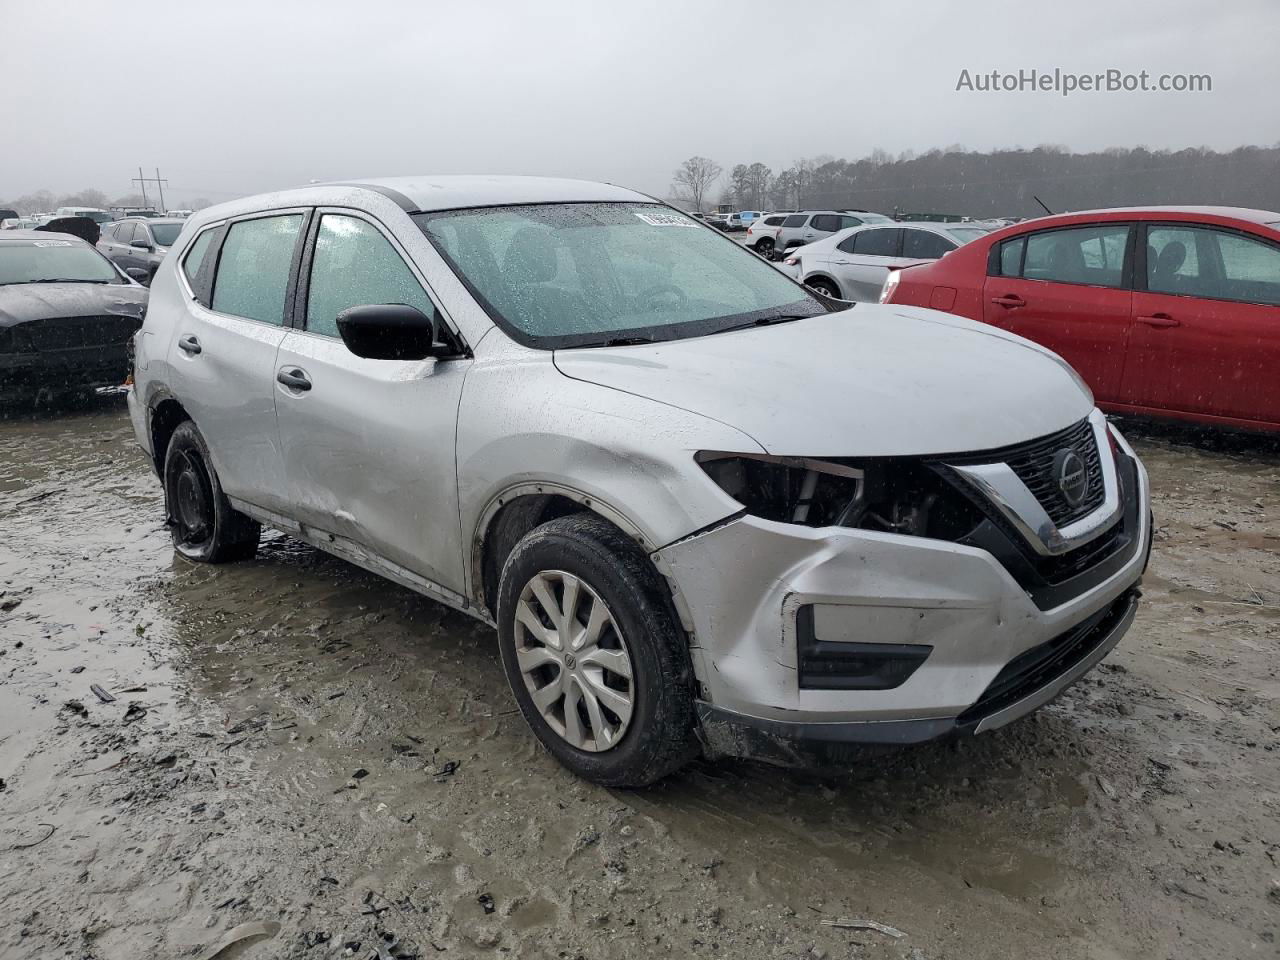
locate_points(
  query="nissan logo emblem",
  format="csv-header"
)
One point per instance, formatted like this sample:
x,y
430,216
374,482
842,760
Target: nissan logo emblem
x,y
1071,476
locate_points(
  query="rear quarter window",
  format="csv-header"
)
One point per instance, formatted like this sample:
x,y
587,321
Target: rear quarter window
x,y
194,259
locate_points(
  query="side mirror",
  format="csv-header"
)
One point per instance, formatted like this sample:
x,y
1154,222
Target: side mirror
x,y
388,331
137,273
140,244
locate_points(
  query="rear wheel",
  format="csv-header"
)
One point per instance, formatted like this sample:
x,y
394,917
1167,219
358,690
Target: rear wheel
x,y
593,655
204,525
824,287
764,247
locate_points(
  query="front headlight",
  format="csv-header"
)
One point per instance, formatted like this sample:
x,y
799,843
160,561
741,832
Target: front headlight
x,y
816,493
904,496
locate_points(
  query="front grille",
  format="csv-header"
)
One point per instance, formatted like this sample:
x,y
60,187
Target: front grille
x,y
70,333
1033,463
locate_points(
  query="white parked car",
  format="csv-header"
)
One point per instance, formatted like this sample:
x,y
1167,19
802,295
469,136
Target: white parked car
x,y
762,235
853,264
706,510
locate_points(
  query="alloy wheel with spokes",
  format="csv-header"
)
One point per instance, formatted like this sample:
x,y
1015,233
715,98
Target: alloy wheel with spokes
x,y
594,654
573,660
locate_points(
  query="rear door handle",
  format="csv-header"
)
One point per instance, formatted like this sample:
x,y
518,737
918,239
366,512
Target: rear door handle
x,y
1159,320
189,344
295,378
1009,300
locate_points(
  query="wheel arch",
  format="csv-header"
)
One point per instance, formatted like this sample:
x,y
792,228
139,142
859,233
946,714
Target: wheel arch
x,y
825,278
518,509
164,418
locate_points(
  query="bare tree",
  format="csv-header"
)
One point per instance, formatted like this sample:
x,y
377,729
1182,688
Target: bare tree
x,y
693,180
85,198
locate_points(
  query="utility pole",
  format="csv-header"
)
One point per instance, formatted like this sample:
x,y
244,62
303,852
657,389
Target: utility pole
x,y
144,180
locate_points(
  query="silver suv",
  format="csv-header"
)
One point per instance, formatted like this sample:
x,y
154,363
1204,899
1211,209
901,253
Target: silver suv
x,y
706,509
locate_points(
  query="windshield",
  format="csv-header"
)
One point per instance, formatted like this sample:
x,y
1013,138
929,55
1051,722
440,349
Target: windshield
x,y
165,233
965,234
53,259
559,275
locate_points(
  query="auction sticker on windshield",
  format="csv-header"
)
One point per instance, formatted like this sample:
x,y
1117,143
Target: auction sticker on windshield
x,y
53,243
665,220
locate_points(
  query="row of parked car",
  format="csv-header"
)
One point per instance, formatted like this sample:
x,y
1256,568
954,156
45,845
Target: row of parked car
x,y
1165,311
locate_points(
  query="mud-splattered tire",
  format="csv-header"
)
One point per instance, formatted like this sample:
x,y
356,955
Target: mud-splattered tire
x,y
204,525
605,726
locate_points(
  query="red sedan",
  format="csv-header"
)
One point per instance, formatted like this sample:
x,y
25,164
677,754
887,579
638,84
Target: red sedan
x,y
1165,311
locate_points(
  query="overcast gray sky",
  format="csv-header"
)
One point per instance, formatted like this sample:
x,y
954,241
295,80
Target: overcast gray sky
x,y
228,97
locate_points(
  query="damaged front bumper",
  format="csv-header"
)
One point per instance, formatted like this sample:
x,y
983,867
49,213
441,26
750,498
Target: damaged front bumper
x,y
832,636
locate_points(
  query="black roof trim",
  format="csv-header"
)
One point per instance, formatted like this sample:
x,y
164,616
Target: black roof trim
x,y
395,196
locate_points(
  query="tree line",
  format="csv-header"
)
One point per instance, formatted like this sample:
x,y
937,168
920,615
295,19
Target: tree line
x,y
999,183
45,201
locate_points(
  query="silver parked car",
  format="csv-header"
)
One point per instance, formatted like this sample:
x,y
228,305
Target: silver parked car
x,y
809,226
853,264
706,510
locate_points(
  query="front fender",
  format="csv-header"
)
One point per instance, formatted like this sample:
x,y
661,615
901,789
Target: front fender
x,y
627,458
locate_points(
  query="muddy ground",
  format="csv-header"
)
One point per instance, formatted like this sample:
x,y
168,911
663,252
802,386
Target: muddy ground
x,y
294,740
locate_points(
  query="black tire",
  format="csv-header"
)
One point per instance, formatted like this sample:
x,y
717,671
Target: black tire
x,y
204,525
764,247
824,287
660,736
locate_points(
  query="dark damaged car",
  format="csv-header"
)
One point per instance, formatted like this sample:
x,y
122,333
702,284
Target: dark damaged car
x,y
67,315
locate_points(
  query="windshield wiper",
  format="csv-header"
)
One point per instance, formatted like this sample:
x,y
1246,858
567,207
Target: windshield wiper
x,y
768,321
66,280
628,341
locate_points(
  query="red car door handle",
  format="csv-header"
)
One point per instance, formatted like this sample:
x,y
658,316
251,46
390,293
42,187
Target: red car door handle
x,y
1160,320
1009,301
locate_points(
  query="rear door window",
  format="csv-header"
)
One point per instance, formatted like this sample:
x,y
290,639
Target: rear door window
x,y
924,245
254,267
1214,264
826,222
354,265
795,220
1088,255
881,242
773,221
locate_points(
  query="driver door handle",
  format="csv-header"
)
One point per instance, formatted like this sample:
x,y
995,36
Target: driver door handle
x,y
189,345
1159,320
295,378
1009,300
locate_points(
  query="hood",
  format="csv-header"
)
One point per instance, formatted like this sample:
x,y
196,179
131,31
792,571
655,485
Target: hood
x,y
877,380
21,302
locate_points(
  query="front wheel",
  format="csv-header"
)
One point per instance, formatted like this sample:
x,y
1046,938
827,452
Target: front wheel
x,y
204,525
593,655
